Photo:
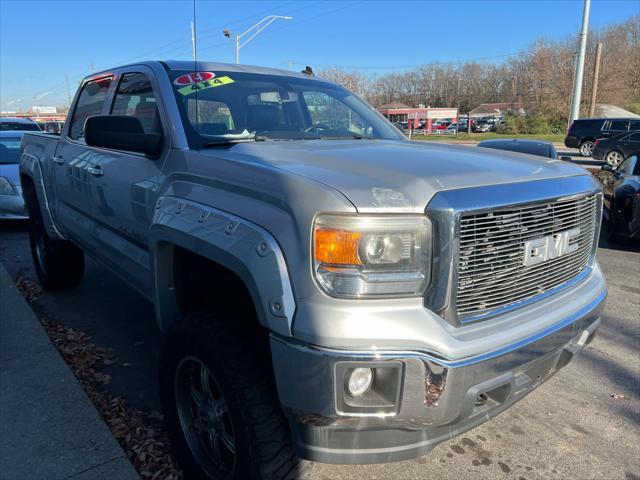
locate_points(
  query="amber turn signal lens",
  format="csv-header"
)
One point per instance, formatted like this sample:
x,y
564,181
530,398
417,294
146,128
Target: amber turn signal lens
x,y
337,247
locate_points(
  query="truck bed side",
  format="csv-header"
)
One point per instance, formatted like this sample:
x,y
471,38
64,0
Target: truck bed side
x,y
36,174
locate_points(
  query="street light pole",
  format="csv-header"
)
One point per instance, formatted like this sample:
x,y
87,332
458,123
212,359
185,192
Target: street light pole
x,y
577,80
255,30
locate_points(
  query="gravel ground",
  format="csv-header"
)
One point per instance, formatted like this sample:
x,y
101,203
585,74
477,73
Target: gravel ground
x,y
583,423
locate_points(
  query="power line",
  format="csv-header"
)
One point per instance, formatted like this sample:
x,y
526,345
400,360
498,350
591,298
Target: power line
x,y
79,74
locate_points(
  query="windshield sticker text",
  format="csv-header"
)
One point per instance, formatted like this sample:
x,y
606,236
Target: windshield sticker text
x,y
194,77
214,82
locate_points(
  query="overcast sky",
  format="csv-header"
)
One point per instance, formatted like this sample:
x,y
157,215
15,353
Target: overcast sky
x,y
41,41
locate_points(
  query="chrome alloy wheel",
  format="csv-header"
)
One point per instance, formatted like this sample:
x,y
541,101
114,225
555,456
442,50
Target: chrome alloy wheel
x,y
614,158
204,417
586,149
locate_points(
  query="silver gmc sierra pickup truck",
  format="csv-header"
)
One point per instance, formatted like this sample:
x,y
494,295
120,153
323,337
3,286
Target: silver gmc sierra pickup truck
x,y
330,291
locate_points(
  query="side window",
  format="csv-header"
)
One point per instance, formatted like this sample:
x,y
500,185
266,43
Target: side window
x,y
327,111
135,98
634,125
619,125
89,103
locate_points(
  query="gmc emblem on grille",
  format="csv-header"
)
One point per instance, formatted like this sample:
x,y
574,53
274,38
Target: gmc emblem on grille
x,y
542,249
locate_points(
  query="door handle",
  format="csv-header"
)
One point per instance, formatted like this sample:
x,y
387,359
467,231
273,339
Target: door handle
x,y
59,160
96,172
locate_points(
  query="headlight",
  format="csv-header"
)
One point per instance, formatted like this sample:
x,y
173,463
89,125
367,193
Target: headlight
x,y
5,187
369,256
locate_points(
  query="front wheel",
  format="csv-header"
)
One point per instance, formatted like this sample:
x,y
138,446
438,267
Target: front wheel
x,y
586,148
614,158
220,404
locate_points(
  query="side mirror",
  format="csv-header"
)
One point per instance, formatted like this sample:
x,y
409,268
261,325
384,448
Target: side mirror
x,y
120,132
566,158
607,168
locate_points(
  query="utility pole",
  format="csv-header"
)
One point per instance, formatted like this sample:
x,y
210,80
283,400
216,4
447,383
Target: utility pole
x,y
255,30
66,78
577,80
594,83
458,106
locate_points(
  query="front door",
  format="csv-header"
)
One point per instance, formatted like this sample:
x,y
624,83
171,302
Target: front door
x,y
125,184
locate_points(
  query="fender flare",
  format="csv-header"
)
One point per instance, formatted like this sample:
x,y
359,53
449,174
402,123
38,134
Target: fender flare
x,y
242,247
30,167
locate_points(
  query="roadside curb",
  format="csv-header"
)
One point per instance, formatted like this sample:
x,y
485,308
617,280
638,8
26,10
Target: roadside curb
x,y
48,426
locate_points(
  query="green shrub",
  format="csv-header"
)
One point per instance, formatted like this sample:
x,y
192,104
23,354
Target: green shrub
x,y
536,124
513,124
558,126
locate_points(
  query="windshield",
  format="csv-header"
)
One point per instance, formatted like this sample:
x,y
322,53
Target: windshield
x,y
233,105
9,150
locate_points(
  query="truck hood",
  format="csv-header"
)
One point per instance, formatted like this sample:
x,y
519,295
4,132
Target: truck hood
x,y
390,175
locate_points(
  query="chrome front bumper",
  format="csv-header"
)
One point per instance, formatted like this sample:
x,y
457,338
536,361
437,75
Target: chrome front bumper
x,y
436,398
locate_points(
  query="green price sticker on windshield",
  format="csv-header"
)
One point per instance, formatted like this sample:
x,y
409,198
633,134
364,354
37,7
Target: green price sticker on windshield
x,y
211,83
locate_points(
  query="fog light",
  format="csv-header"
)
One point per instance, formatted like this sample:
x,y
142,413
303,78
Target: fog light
x,y
359,382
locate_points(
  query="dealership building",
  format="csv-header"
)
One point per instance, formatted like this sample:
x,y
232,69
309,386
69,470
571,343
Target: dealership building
x,y
413,117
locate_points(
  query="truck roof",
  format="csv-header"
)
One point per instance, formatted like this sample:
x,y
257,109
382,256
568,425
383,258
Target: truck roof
x,y
217,66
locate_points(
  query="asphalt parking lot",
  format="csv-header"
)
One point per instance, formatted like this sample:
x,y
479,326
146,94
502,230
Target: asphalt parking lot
x,y
583,423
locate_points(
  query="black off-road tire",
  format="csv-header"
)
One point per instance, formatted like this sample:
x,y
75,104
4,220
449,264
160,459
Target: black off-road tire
x,y
59,263
239,360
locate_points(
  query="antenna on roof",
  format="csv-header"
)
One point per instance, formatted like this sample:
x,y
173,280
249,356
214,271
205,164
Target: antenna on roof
x,y
193,40
195,64
308,71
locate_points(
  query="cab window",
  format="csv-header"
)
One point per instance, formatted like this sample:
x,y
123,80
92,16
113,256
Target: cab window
x,y
135,98
211,117
327,112
89,103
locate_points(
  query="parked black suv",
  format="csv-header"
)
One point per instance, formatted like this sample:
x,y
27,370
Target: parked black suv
x,y
616,148
583,133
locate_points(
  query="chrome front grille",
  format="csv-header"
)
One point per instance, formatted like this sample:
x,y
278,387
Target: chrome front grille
x,y
491,259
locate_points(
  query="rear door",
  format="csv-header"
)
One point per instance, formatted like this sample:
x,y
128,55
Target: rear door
x,y
73,159
125,184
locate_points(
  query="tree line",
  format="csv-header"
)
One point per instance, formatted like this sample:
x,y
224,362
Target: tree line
x,y
542,74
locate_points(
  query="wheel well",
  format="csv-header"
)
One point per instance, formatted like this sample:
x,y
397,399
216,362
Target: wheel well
x,y
28,191
201,284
